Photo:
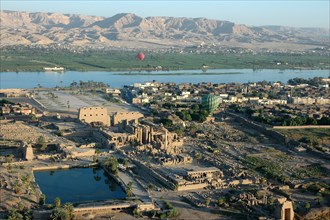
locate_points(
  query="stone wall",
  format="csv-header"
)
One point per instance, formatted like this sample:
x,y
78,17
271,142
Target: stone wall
x,y
94,114
192,186
301,127
154,174
119,117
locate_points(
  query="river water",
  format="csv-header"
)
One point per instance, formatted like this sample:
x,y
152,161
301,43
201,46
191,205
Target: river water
x,y
28,80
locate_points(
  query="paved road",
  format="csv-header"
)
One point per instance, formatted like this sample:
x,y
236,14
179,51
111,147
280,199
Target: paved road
x,y
137,188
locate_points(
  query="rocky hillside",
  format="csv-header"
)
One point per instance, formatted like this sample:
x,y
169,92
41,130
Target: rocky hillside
x,y
130,30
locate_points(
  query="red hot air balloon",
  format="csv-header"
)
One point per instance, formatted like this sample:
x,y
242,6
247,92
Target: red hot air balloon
x,y
140,56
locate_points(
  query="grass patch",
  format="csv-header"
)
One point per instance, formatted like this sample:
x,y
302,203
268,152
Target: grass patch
x,y
320,134
268,169
313,170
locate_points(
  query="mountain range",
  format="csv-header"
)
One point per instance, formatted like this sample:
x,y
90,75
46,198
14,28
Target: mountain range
x,y
132,31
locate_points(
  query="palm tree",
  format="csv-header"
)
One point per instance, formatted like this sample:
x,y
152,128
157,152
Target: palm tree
x,y
111,163
57,202
129,189
207,201
17,187
42,199
69,209
14,215
58,213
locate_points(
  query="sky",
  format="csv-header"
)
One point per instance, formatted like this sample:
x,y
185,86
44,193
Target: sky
x,y
296,13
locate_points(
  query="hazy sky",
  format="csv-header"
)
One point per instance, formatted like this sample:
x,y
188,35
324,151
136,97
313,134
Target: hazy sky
x,y
308,13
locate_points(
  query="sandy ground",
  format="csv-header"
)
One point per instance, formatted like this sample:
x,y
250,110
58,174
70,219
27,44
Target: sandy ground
x,y
66,101
8,198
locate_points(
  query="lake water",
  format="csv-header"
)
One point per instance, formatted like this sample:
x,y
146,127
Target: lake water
x,y
118,79
78,185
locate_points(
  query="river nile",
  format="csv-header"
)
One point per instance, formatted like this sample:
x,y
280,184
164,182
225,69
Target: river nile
x,y
28,80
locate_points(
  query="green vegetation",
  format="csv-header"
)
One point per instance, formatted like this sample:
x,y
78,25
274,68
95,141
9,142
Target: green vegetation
x,y
21,213
267,168
5,101
207,201
65,212
222,200
170,212
59,133
58,214
290,121
42,199
137,213
310,136
313,81
15,215
284,120
196,113
57,202
111,163
33,59
129,189
313,170
41,143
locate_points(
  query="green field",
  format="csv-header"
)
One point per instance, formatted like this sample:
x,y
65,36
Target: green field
x,y
35,59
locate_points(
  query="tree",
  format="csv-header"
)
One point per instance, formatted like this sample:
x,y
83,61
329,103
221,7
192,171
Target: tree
x,y
195,107
57,202
262,181
311,121
97,151
137,212
179,129
125,163
42,199
198,156
193,128
111,163
221,200
41,142
17,187
129,189
26,179
151,186
20,206
207,201
59,213
69,209
59,133
319,198
95,159
307,206
14,215
27,214
166,122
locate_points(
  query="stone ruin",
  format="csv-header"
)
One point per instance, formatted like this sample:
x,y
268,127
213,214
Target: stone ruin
x,y
284,209
251,200
27,151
